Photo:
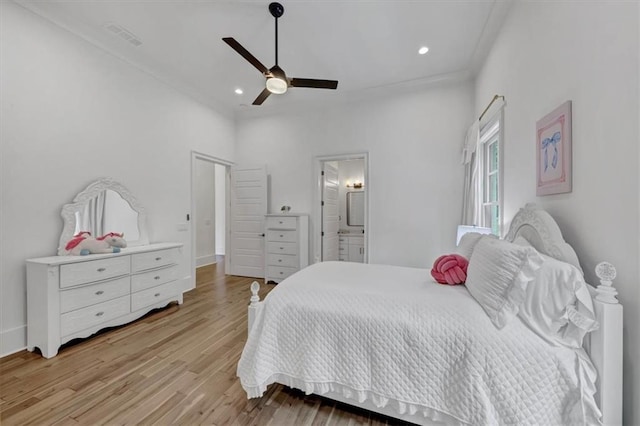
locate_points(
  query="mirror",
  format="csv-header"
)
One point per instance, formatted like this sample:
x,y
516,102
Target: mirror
x,y
355,208
104,206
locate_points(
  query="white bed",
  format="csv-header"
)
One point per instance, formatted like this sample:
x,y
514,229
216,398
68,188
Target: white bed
x,y
391,340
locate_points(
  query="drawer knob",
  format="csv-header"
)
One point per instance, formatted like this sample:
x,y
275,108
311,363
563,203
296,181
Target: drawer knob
x,y
158,258
280,272
279,260
281,235
280,222
99,314
157,277
101,269
157,294
281,248
99,292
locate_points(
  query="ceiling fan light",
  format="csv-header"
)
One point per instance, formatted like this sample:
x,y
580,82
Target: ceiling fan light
x,y
277,86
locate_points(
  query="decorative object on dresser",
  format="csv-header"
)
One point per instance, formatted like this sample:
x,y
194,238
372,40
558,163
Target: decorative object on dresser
x,y
287,245
83,244
72,297
351,248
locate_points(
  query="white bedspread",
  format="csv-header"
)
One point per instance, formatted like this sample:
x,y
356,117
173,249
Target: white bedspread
x,y
393,336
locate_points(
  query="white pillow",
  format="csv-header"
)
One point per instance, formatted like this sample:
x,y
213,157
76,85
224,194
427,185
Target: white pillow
x,y
497,276
558,306
468,242
521,241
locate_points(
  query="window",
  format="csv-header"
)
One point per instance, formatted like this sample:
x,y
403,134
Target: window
x,y
491,175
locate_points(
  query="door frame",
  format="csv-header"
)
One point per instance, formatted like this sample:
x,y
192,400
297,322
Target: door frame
x,y
195,155
317,210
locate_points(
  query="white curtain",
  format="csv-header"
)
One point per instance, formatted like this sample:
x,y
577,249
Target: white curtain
x,y
472,191
91,217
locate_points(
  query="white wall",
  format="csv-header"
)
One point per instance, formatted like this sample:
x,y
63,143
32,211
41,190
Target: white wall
x,y
586,52
205,220
221,214
72,113
415,177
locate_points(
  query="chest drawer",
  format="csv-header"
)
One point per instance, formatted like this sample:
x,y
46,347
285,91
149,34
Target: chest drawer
x,y
153,295
81,297
282,248
277,235
153,278
281,222
282,260
88,317
154,259
279,272
94,270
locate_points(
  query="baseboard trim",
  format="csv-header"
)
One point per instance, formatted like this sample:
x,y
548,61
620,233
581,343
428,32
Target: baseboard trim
x,y
13,340
205,260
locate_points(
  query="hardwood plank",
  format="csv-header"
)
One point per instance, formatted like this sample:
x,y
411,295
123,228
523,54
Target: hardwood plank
x,y
175,366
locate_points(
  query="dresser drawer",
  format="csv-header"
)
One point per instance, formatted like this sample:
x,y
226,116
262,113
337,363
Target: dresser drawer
x,y
148,297
153,278
287,236
279,272
282,248
81,297
154,259
94,270
91,316
281,222
282,260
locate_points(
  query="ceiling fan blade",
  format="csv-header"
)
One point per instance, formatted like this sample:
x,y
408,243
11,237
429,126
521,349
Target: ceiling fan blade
x,y
245,54
261,97
313,83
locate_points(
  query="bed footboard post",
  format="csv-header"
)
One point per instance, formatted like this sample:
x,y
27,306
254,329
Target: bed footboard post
x,y
254,303
606,346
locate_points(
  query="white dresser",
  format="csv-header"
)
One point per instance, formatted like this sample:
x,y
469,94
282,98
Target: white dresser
x,y
287,245
351,248
76,296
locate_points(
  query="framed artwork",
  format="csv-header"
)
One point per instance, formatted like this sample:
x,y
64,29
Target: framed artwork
x,y
553,151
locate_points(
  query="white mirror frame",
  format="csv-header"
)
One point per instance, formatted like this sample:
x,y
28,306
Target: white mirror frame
x,y
69,210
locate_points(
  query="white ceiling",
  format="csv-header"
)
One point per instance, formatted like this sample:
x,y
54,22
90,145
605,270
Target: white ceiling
x,y
366,45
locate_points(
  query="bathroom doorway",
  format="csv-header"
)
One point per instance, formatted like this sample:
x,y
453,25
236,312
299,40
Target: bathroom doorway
x,y
341,216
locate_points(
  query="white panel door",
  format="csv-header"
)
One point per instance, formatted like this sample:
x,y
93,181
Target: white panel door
x,y
330,217
248,207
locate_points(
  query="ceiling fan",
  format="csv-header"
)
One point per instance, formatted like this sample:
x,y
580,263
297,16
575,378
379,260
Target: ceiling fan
x,y
276,80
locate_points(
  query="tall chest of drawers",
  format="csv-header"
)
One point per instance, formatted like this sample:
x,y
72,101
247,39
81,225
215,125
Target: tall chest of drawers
x,y
76,296
287,245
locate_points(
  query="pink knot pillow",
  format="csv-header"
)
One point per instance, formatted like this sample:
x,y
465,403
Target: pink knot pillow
x,y
450,269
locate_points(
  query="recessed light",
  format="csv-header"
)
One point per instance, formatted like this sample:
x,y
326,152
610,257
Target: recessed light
x,y
423,50
239,91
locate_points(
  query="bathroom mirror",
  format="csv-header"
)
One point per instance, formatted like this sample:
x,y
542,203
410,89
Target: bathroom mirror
x,y
104,206
355,208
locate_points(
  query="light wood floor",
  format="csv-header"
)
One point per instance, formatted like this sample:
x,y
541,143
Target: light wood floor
x,y
174,366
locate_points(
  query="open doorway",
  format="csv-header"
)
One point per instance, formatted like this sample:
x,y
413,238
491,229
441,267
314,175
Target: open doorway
x,y
209,210
341,216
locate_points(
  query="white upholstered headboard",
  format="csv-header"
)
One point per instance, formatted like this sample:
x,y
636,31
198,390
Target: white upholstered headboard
x,y
604,345
538,227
